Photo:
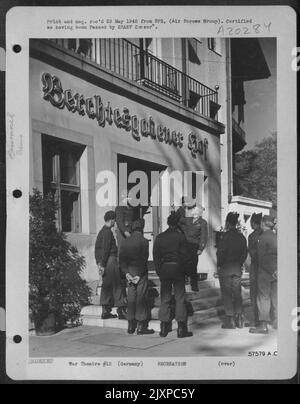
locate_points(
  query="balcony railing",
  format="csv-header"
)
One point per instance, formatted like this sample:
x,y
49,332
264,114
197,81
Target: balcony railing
x,y
238,129
128,60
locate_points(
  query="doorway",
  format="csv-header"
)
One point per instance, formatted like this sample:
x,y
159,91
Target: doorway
x,y
151,211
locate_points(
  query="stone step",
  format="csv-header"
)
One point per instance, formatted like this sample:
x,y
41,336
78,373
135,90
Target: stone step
x,y
91,316
155,281
204,309
198,305
204,298
207,288
191,296
207,292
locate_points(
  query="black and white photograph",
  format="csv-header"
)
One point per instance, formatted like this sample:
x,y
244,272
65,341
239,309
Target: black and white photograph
x,y
121,129
153,210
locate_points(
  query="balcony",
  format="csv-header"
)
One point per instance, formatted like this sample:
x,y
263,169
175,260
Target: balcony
x,y
238,136
128,60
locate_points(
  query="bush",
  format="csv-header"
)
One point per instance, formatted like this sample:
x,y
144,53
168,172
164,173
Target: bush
x,y
55,283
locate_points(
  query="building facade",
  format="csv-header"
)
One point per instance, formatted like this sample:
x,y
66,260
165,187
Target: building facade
x,y
103,111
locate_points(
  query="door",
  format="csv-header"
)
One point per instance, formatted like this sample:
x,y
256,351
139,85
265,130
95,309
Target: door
x,y
151,213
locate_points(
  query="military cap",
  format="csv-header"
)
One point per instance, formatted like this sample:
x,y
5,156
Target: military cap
x,y
232,218
269,221
174,218
256,218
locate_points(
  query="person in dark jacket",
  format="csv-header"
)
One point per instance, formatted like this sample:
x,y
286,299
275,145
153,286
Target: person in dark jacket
x,y
125,216
134,254
231,254
171,261
195,230
267,277
253,240
106,253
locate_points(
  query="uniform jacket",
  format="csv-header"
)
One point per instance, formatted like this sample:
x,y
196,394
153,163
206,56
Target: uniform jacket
x,y
105,246
231,253
267,252
125,216
253,245
195,232
134,254
171,247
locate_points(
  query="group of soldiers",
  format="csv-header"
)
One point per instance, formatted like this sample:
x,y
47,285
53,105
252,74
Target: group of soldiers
x,y
122,255
122,261
232,252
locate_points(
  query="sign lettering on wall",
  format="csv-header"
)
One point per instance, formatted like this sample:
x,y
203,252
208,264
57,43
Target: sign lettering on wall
x,y
105,114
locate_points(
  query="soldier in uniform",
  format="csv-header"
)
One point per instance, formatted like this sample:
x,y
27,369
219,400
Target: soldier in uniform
x,y
171,260
253,252
267,277
125,216
134,254
194,228
106,252
231,254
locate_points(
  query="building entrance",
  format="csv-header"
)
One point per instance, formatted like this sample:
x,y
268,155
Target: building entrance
x,y
151,212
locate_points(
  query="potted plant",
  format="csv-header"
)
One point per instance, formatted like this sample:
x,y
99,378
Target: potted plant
x,y
56,290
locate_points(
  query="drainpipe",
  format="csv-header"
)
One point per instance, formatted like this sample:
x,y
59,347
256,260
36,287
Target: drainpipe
x,y
229,120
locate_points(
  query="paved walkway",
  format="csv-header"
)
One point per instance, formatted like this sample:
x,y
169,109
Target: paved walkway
x,y
208,340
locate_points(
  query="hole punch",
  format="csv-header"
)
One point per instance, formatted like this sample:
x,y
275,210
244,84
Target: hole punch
x,y
17,48
17,193
17,339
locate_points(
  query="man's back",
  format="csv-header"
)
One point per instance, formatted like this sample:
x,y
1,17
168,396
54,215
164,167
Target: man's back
x,y
253,244
134,252
267,252
171,247
232,252
105,245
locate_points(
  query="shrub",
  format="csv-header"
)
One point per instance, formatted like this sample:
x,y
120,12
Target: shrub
x,y
55,267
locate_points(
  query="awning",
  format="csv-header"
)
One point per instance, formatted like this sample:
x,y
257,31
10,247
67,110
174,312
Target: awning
x,y
248,60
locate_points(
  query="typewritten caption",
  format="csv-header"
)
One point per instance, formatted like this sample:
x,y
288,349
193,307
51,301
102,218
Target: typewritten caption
x,y
227,27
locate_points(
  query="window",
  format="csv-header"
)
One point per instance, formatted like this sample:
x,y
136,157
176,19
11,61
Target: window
x,y
194,51
61,177
214,44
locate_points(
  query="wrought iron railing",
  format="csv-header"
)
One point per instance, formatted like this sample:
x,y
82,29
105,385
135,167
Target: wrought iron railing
x,y
128,60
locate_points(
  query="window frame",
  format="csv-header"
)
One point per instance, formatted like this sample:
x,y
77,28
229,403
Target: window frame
x,y
55,185
215,47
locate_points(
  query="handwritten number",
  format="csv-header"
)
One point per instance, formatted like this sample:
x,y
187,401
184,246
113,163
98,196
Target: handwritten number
x,y
268,26
257,28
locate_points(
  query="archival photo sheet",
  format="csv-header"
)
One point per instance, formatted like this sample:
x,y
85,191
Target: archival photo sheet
x,y
151,193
